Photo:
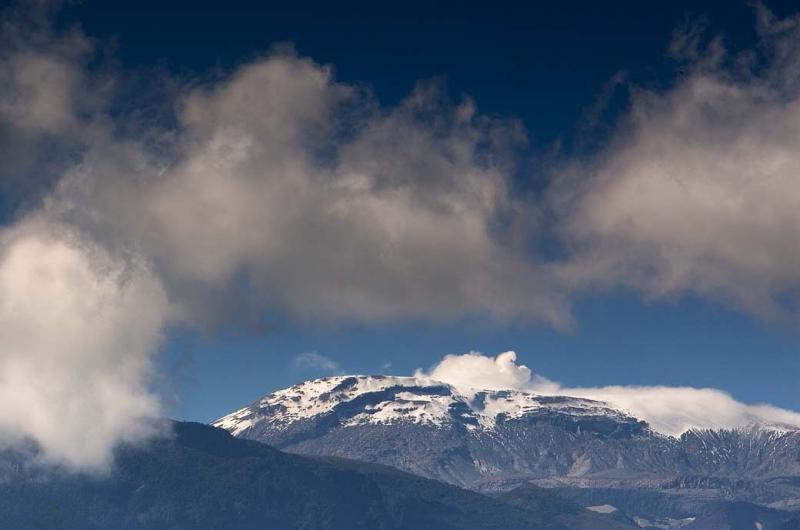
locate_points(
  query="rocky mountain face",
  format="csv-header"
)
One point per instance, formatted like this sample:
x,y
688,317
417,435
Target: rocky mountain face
x,y
497,440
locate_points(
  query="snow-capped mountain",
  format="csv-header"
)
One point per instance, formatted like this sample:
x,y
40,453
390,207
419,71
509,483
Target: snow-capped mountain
x,y
388,400
495,439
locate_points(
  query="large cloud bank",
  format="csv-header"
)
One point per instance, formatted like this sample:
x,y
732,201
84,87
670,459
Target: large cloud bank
x,y
700,191
270,190
275,190
668,410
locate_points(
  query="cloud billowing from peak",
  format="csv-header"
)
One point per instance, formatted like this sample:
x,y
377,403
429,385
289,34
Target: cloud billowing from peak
x,y
668,410
474,371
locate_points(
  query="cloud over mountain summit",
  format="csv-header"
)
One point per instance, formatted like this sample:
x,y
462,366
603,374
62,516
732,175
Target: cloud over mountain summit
x,y
668,410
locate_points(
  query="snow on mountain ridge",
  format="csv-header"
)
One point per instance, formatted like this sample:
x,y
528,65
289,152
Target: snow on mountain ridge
x,y
320,396
415,399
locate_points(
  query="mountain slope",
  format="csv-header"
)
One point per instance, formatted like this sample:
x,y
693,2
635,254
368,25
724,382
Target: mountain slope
x,y
497,440
428,428
554,507
431,429
204,478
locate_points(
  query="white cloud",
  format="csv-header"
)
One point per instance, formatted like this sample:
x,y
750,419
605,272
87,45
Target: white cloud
x,y
674,410
474,371
700,191
668,410
315,361
284,191
77,331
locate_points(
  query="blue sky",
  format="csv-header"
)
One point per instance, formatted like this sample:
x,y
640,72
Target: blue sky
x,y
543,62
620,340
661,300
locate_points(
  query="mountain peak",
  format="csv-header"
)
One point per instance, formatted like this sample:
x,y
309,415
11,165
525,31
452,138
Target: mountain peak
x,y
317,397
381,399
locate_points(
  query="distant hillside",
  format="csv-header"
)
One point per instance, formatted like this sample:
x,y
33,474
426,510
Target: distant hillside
x,y
203,478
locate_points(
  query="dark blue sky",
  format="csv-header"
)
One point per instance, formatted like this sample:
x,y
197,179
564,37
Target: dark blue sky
x,y
544,63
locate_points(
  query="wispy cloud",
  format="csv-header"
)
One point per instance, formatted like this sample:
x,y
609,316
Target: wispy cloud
x,y
319,363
